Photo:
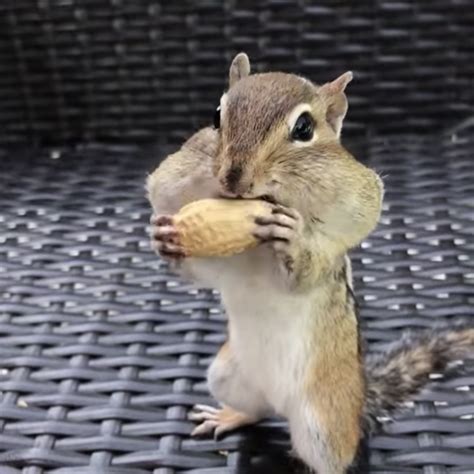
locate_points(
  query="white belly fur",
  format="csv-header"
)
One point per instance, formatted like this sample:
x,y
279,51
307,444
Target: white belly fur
x,y
267,328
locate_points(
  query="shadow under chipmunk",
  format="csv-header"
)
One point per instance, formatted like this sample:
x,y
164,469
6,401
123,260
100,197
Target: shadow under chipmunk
x,y
274,442
278,458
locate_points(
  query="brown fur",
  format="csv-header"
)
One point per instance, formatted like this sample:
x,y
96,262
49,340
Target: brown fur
x,y
336,384
263,100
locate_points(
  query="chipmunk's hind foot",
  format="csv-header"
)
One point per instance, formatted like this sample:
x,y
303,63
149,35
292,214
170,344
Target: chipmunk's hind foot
x,y
217,421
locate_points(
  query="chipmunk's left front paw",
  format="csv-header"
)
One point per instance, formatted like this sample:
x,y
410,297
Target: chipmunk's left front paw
x,y
284,230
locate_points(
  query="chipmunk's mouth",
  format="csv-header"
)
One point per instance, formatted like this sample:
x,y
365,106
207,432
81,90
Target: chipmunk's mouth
x,y
268,198
264,197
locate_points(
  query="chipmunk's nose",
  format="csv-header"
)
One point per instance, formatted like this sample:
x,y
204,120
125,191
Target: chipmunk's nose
x,y
232,181
232,177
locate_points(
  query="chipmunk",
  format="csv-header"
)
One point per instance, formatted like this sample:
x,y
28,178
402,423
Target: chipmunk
x,y
294,346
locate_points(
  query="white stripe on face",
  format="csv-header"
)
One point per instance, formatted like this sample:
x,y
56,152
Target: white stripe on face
x,y
223,105
293,117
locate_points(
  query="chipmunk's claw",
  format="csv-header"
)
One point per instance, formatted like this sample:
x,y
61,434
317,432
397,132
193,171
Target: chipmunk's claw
x,y
164,237
283,229
217,421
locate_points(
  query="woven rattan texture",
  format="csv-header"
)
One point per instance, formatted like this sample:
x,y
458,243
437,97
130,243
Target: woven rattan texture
x,y
103,351
75,70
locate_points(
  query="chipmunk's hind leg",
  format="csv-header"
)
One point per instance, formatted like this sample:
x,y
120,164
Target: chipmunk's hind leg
x,y
311,445
242,403
325,425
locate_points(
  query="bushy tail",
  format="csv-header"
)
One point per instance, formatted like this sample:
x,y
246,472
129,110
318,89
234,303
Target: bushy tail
x,y
400,373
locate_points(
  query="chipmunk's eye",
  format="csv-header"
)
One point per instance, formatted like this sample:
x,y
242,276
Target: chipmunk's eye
x,y
217,118
304,128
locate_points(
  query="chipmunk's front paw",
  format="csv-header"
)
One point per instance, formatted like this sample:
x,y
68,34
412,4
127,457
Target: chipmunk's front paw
x,y
284,230
164,238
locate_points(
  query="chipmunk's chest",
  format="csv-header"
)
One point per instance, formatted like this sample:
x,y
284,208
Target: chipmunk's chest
x,y
269,334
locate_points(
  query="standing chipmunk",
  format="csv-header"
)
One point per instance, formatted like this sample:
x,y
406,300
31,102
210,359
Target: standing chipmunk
x,y
293,346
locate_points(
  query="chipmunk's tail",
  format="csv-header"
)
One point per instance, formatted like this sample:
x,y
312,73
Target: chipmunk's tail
x,y
393,377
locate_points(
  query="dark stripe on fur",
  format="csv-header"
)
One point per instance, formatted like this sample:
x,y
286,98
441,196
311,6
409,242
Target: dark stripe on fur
x,y
353,304
355,308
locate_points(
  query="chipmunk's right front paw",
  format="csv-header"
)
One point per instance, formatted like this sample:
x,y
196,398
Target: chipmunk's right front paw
x,y
164,238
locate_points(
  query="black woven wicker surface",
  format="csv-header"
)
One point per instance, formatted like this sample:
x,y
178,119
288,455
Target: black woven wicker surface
x,y
75,70
103,352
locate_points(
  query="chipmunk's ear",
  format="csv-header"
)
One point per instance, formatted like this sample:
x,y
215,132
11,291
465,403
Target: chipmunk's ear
x,y
239,68
336,100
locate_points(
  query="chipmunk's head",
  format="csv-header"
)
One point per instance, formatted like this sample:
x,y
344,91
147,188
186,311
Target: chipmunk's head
x,y
279,140
266,121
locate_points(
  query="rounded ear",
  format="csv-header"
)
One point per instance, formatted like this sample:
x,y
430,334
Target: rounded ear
x,y
336,100
338,86
239,68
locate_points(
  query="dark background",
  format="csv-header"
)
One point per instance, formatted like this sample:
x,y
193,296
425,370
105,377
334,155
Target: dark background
x,y
103,351
117,70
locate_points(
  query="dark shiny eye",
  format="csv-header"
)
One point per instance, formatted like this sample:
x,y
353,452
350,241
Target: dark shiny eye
x,y
304,128
217,118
